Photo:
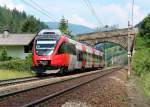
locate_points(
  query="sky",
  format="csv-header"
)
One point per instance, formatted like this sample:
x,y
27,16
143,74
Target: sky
x,y
109,12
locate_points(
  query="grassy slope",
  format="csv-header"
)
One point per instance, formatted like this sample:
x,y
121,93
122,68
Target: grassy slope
x,y
141,65
11,74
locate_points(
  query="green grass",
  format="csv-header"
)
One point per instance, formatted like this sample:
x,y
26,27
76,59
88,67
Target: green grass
x,y
141,58
141,65
144,83
11,74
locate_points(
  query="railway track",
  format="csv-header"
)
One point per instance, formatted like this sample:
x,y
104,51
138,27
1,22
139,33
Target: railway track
x,y
28,79
17,81
29,97
23,80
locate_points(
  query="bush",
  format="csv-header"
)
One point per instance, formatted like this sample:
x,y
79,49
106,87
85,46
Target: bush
x,y
141,60
18,64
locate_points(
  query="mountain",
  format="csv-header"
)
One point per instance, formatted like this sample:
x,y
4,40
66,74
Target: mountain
x,y
75,29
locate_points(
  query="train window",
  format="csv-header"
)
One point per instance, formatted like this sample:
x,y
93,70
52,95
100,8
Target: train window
x,y
95,58
26,49
62,49
80,55
71,48
67,48
100,58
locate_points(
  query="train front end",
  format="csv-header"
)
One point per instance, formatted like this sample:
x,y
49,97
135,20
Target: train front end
x,y
43,49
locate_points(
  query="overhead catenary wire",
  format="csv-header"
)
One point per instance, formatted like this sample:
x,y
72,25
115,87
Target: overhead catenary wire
x,y
92,10
39,10
40,7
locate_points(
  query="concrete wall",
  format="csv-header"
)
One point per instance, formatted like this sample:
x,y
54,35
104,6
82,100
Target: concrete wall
x,y
16,51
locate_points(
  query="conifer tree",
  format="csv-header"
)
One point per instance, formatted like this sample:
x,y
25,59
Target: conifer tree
x,y
63,26
3,55
145,27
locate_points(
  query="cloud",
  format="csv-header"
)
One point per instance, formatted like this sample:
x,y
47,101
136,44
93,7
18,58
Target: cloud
x,y
117,14
76,19
109,13
9,4
138,15
113,14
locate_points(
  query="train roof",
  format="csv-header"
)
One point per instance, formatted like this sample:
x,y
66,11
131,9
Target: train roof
x,y
50,31
89,47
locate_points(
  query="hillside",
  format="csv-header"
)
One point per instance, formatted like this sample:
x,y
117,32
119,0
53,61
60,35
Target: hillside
x,y
75,29
141,59
16,21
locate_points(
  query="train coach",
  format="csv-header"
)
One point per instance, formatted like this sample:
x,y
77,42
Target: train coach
x,y
56,52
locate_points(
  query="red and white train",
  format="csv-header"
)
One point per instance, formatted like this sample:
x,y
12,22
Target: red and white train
x,y
53,51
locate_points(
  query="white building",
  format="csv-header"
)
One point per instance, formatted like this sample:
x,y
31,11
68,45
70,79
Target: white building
x,y
17,45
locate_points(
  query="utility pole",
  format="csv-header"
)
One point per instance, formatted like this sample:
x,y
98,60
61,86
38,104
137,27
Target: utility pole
x,y
129,50
130,27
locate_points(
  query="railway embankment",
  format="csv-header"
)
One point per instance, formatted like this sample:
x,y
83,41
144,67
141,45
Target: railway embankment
x,y
141,59
141,65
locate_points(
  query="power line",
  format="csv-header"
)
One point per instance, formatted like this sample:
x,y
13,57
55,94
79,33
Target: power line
x,y
93,11
89,5
40,7
37,9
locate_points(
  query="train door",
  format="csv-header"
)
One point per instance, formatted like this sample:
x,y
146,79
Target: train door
x,y
79,56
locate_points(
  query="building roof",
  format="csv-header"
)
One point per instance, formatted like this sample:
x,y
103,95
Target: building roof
x,y
16,39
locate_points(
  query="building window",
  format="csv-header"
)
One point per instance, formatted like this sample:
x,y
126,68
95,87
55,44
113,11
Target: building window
x,y
26,49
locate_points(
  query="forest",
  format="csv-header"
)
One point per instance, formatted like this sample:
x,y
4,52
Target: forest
x,y
19,22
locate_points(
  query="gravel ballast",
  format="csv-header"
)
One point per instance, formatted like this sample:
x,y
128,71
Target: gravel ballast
x,y
108,91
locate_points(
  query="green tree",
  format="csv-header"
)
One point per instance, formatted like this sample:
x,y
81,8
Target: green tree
x,y
3,55
63,26
15,21
145,28
30,25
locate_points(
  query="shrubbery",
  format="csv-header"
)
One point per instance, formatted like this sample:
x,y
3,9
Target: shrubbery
x,y
141,59
142,67
18,64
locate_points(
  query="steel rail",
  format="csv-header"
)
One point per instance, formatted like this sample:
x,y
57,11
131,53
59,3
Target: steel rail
x,y
16,81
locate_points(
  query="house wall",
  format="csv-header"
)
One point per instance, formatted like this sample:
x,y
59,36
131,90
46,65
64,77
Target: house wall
x,y
16,51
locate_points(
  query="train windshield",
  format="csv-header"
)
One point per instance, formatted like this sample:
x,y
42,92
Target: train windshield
x,y
45,46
